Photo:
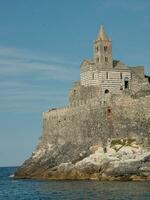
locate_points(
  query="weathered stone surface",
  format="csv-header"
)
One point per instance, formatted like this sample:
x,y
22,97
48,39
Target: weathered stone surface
x,y
128,163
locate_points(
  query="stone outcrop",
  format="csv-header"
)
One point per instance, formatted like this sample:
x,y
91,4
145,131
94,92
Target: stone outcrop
x,y
121,159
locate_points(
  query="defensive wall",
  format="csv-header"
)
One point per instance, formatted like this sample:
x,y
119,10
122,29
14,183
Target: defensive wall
x,y
121,116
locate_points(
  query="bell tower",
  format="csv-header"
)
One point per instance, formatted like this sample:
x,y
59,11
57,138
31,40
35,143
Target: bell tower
x,y
103,50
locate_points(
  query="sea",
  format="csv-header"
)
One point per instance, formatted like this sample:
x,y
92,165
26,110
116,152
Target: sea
x,y
11,189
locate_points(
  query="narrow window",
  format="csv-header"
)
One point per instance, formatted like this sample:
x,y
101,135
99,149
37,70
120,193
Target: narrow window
x,y
105,48
126,84
93,76
97,49
106,59
109,110
97,59
74,92
121,75
106,75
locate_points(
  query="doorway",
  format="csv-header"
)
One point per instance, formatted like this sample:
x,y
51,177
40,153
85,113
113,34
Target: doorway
x,y
126,84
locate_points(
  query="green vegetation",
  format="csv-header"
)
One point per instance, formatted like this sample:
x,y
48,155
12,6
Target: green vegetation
x,y
122,142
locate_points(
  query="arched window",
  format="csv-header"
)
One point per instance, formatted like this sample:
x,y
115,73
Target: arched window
x,y
126,83
106,91
105,48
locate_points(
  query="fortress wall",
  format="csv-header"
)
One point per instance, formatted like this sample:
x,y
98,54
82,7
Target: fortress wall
x,y
132,107
95,123
138,83
75,126
80,95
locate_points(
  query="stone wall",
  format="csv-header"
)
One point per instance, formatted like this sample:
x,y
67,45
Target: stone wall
x,y
114,81
95,122
80,95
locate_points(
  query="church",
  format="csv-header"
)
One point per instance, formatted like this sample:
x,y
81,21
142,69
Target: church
x,y
102,76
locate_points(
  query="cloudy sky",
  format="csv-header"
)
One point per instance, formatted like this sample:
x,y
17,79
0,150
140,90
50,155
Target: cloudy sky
x,y
42,43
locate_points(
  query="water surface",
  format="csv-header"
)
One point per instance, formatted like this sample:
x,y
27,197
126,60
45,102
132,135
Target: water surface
x,y
69,190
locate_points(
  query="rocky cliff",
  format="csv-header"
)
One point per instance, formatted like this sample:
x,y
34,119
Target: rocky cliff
x,y
100,141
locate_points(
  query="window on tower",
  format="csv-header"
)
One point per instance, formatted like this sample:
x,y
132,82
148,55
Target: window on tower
x,y
106,59
121,75
105,48
106,75
93,76
97,60
97,49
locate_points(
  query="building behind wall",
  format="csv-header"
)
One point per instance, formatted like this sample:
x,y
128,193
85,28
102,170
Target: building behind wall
x,y
102,76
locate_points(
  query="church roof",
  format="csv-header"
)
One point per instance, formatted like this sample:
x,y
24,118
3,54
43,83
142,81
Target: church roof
x,y
117,64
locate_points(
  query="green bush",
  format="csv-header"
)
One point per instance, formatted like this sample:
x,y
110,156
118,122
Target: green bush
x,y
122,142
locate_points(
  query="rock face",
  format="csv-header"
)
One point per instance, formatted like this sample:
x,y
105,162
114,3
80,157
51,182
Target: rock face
x,y
122,159
94,142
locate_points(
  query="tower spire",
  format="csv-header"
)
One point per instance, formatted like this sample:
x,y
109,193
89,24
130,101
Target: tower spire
x,y
103,50
102,35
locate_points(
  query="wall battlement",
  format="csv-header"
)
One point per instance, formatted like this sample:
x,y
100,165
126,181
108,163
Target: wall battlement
x,y
121,101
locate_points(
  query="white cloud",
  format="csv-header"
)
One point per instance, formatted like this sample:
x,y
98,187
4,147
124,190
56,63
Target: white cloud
x,y
24,79
15,62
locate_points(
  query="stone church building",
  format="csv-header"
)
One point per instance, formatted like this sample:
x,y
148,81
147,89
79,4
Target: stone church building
x,y
102,76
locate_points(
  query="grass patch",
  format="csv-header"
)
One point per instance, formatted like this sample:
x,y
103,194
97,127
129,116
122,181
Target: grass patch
x,y
122,142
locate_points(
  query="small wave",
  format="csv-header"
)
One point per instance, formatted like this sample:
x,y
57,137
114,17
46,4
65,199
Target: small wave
x,y
11,176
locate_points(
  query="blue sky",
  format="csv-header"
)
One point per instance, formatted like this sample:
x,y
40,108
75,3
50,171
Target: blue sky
x,y
42,43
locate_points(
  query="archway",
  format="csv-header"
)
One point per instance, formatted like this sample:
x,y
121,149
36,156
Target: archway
x,y
126,83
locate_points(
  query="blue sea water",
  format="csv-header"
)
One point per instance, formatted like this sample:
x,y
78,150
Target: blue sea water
x,y
69,190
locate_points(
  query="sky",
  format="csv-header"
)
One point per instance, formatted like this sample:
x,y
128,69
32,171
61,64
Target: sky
x,y
42,43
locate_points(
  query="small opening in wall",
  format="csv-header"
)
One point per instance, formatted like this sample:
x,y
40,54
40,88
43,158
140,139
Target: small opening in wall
x,y
106,91
126,84
105,150
97,59
93,76
105,48
106,59
106,75
97,49
109,110
74,92
121,75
